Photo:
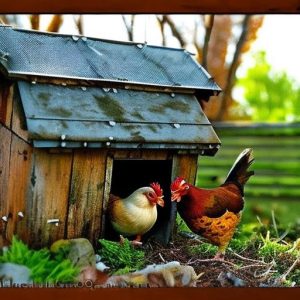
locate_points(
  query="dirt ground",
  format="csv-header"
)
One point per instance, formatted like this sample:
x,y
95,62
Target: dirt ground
x,y
237,270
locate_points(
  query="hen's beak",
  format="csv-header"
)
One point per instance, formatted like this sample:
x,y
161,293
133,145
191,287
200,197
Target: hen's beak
x,y
160,201
175,196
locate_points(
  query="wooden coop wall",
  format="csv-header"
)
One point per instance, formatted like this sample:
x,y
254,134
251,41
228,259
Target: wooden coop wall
x,y
69,185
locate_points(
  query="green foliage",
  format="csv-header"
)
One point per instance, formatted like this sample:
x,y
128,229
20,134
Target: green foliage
x,y
272,248
203,249
122,258
45,267
270,96
181,225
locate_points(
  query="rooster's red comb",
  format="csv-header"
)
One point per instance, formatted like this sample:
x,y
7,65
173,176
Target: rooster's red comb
x,y
157,189
175,185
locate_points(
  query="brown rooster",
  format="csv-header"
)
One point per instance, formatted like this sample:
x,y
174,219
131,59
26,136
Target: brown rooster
x,y
215,213
136,214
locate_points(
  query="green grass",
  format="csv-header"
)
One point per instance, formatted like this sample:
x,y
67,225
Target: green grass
x,y
121,258
45,267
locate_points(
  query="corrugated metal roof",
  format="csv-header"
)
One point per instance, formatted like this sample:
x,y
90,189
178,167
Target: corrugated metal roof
x,y
59,116
24,52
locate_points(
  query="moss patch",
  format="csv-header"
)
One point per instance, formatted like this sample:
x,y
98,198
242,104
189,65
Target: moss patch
x,y
137,115
44,97
173,105
153,128
61,112
110,107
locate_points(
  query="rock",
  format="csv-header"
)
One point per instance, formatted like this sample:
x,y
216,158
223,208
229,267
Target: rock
x,y
171,274
228,279
80,251
102,267
14,274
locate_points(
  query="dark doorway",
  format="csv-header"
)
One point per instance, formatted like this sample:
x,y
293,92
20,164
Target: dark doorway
x,y
129,175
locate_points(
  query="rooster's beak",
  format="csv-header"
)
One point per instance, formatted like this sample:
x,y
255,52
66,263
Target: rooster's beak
x,y
175,197
160,201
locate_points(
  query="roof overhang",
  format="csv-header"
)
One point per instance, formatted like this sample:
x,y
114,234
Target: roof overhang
x,y
93,117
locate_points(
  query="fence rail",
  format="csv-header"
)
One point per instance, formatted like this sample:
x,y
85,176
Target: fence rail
x,y
277,159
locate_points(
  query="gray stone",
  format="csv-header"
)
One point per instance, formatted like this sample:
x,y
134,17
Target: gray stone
x,y
81,251
11,274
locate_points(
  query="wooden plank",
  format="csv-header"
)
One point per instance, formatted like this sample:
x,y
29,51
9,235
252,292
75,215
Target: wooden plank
x,y
18,117
107,187
6,96
86,196
259,141
48,197
140,154
5,142
19,170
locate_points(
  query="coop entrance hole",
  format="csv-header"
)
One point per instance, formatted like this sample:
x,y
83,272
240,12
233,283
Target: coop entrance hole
x,y
129,175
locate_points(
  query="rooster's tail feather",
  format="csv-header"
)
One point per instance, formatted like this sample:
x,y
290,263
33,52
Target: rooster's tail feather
x,y
239,172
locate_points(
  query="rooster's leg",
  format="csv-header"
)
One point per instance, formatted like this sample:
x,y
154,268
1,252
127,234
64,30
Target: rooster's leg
x,y
221,252
219,256
137,241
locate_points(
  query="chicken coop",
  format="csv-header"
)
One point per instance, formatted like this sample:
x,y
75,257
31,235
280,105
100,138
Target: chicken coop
x,y
81,118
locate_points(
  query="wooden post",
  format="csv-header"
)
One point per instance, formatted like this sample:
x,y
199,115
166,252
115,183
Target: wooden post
x,y
184,166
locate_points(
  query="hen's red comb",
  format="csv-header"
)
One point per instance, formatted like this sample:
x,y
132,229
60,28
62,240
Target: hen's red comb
x,y
157,189
177,183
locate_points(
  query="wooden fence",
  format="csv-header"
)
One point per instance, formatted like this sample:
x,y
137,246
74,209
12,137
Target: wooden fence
x,y
277,159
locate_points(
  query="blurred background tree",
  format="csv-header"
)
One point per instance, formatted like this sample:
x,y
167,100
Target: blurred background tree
x,y
269,96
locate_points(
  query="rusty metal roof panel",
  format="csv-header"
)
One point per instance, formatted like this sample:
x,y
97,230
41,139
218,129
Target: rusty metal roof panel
x,y
68,116
24,52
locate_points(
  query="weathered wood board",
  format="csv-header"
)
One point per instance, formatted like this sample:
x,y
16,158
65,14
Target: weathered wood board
x,y
185,166
86,194
20,162
47,199
6,103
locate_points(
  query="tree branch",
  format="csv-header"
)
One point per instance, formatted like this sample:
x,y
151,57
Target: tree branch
x,y
209,22
35,22
167,19
129,27
4,20
233,67
55,23
79,24
161,23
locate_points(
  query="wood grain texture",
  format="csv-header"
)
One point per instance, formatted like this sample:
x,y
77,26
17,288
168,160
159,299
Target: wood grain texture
x,y
185,166
6,100
107,187
48,196
5,141
140,154
19,170
86,196
18,123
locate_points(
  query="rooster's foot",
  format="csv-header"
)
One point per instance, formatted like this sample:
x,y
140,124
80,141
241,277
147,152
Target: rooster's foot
x,y
219,256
